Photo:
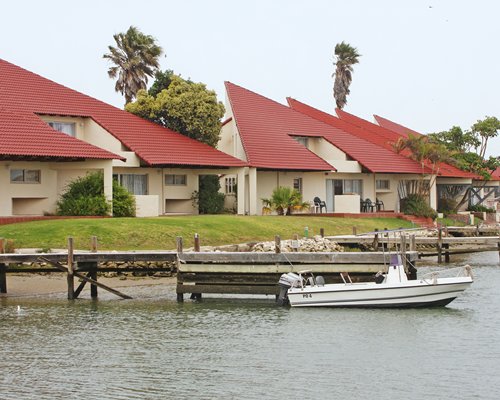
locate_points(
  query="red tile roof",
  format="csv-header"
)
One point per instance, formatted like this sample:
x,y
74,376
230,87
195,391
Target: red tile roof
x,y
266,129
395,127
27,93
495,175
351,139
385,137
25,135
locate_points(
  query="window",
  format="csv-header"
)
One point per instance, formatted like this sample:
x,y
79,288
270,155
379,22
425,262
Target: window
x,y
382,184
297,184
346,186
25,175
69,128
176,180
134,183
230,185
304,141
353,186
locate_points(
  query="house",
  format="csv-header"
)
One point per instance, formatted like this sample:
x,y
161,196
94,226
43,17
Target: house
x,y
341,159
50,134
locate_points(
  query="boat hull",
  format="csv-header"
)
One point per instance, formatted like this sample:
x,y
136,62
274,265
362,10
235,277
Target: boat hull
x,y
405,295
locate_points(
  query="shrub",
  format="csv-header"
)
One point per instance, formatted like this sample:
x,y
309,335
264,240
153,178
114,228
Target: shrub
x,y
123,201
480,208
208,199
85,196
447,205
284,200
414,204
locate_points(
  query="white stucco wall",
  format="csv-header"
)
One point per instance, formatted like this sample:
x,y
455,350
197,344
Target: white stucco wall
x,y
41,198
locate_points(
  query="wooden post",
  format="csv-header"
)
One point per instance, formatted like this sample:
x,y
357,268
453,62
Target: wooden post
x,y
71,270
178,239
196,296
498,245
354,231
403,252
3,278
93,268
3,275
295,242
277,244
196,242
446,247
413,243
179,244
412,271
440,245
322,232
375,240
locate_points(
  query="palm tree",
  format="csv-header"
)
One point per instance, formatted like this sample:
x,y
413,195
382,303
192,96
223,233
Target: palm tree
x,y
284,200
345,57
135,57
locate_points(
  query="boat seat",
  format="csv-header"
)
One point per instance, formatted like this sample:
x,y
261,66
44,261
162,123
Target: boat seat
x,y
320,281
345,277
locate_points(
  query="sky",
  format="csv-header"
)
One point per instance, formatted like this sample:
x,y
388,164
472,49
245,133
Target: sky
x,y
428,65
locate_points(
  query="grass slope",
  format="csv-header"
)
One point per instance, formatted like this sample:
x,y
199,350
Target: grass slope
x,y
161,232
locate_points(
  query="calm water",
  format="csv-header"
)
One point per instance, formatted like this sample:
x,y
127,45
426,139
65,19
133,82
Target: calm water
x,y
221,348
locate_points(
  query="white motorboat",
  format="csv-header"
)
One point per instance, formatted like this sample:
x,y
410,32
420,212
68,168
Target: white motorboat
x,y
392,289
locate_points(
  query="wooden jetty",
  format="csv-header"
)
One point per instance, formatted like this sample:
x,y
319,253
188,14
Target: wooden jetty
x,y
244,272
442,245
201,272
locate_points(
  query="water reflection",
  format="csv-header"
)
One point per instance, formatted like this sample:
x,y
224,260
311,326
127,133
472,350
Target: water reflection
x,y
155,348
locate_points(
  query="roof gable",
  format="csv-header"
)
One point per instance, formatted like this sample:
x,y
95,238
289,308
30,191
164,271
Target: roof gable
x,y
395,127
26,93
25,135
387,137
374,157
266,129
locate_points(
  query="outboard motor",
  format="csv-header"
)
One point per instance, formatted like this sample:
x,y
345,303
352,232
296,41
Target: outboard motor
x,y
286,282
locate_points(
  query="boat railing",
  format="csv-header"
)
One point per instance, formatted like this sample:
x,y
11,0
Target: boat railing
x,y
457,272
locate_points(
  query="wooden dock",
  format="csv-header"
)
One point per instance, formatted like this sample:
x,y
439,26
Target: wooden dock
x,y
244,272
258,273
201,272
442,245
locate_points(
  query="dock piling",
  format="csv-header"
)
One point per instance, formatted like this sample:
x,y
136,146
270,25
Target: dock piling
x,y
93,268
196,242
439,245
71,271
277,244
375,240
3,275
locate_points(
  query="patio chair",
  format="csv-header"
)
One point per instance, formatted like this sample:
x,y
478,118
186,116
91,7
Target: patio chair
x,y
379,205
362,205
320,204
369,205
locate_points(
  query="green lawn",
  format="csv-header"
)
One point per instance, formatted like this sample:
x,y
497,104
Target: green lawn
x,y
160,233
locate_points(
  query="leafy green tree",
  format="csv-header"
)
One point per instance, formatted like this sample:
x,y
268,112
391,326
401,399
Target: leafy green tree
x,y
485,129
162,81
469,146
345,57
184,106
284,200
455,139
135,57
